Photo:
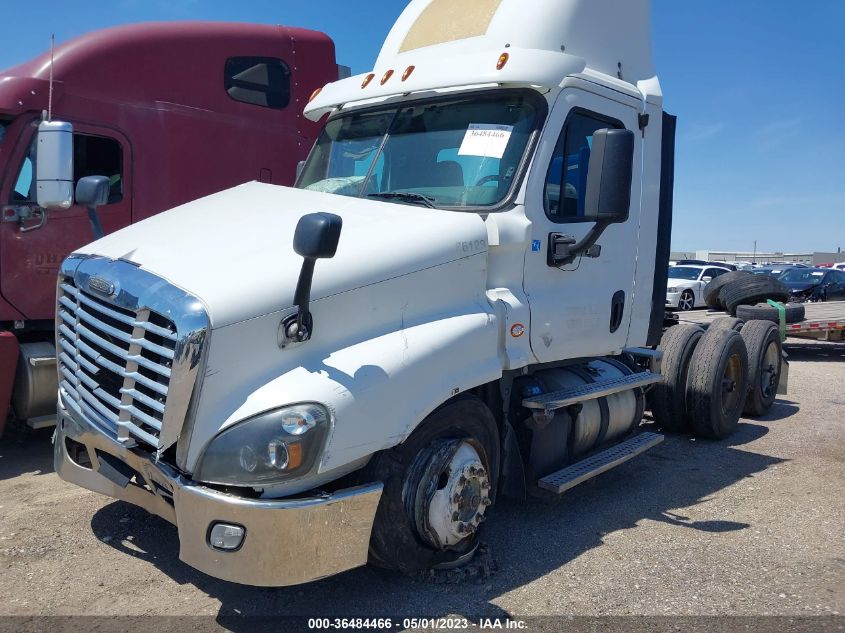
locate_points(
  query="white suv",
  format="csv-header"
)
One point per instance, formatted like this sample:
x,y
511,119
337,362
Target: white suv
x,y
686,285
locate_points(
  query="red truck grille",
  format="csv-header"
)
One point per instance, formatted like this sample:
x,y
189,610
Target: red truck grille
x,y
115,364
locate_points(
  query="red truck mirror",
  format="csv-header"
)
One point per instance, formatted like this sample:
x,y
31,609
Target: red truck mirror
x,y
93,191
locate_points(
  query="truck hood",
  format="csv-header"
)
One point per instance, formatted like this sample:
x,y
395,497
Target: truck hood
x,y
234,249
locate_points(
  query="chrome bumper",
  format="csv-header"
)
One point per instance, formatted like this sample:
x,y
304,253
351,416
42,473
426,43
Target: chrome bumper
x,y
287,542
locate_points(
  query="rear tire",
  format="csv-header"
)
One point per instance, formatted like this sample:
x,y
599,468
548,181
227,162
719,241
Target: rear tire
x,y
795,313
668,397
404,535
762,340
726,323
711,290
717,384
757,289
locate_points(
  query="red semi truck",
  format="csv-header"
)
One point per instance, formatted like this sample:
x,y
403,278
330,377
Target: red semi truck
x,y
169,112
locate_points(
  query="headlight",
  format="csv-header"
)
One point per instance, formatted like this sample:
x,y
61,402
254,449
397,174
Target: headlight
x,y
267,448
673,290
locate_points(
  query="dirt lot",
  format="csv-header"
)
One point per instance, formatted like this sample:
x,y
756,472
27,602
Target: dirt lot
x,y
753,525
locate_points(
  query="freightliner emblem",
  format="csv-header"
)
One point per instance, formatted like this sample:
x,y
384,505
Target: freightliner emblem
x,y
101,285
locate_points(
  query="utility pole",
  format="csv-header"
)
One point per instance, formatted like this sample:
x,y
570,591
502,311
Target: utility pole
x,y
754,259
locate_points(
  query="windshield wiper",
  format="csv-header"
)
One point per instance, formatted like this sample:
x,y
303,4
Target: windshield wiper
x,y
405,196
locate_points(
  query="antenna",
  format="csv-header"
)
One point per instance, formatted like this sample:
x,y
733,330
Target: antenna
x,y
50,97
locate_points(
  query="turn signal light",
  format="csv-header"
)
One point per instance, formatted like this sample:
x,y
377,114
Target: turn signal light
x,y
386,77
314,94
408,71
367,80
503,59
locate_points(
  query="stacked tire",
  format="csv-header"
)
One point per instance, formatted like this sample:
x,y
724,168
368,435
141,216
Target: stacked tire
x,y
710,377
734,289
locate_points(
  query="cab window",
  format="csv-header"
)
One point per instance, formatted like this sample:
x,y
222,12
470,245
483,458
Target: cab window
x,y
92,156
565,190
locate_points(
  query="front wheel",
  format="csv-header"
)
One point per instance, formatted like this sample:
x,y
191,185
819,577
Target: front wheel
x,y
687,301
438,485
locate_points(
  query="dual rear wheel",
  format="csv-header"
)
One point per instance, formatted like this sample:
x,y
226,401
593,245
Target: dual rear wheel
x,y
711,376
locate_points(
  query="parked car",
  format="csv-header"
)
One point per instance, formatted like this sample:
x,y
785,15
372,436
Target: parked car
x,y
815,284
685,289
774,270
839,266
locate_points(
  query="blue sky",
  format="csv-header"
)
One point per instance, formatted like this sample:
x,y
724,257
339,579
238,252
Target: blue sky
x,y
758,86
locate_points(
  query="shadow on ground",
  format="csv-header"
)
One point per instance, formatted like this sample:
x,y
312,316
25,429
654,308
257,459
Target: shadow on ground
x,y
815,352
528,539
25,451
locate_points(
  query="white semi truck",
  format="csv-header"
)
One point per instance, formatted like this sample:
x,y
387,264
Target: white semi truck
x,y
491,211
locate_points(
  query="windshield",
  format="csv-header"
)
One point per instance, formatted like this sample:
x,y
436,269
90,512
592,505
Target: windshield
x,y
684,272
803,276
460,153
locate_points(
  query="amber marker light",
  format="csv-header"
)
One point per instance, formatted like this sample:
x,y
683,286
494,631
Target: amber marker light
x,y
367,80
387,77
408,72
503,59
314,94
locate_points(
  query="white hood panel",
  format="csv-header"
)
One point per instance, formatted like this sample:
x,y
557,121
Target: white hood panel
x,y
234,249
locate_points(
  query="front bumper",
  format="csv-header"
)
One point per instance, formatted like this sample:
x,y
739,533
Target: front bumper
x,y
287,541
673,299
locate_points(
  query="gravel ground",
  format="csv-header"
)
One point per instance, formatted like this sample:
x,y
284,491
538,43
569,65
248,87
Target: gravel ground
x,y
748,526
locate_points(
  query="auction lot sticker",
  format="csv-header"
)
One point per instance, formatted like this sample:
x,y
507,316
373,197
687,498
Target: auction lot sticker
x,y
485,139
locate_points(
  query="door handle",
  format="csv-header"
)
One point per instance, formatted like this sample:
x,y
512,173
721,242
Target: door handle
x,y
559,250
20,213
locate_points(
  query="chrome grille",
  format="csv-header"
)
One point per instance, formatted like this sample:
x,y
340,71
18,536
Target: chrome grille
x,y
115,363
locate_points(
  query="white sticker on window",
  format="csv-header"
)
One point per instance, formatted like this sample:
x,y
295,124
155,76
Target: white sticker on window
x,y
487,140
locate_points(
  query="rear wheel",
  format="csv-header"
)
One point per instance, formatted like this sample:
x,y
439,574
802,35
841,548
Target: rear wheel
x,y
711,290
687,301
726,323
437,487
717,384
793,312
764,365
668,397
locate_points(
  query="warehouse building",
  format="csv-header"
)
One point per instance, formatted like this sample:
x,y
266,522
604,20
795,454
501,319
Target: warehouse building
x,y
810,259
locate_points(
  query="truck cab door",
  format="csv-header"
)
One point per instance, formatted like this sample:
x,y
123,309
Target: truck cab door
x,y
32,248
582,309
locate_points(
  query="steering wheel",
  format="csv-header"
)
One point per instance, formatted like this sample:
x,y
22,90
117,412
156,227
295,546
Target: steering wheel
x,y
486,179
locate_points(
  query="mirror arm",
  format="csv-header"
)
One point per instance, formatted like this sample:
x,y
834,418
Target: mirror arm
x,y
302,299
94,219
569,254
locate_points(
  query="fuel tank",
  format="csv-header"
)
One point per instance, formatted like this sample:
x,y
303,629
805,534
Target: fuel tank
x,y
577,430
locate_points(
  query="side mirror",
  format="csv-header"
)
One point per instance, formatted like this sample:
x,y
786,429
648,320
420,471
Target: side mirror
x,y
54,165
609,177
93,191
707,280
317,236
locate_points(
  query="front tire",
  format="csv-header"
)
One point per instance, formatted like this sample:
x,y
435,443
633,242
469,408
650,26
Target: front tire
x,y
437,487
687,301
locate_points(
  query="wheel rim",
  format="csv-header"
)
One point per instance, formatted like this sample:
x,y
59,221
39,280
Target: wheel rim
x,y
731,380
769,370
687,301
452,493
